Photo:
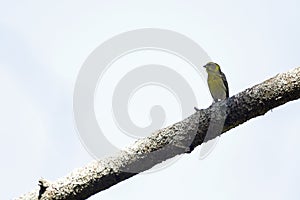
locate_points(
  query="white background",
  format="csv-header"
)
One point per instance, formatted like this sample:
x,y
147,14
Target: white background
x,y
43,45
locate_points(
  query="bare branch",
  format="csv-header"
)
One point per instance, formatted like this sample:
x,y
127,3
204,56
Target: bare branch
x,y
176,139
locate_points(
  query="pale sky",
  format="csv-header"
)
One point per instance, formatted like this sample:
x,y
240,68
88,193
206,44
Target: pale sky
x,y
43,45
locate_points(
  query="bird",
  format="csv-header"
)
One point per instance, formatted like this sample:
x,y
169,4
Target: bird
x,y
217,82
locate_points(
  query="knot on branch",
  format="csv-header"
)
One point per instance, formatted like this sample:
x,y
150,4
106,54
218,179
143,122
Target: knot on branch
x,y
44,184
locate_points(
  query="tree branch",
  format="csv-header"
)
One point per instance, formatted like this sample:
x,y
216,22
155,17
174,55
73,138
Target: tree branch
x,y
179,138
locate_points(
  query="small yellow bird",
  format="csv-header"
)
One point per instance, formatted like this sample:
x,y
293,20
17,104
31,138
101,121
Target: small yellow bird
x,y
217,83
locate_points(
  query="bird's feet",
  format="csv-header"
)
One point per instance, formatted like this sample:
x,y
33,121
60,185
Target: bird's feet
x,y
197,109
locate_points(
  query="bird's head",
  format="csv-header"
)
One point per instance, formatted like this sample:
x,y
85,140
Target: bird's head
x,y
212,67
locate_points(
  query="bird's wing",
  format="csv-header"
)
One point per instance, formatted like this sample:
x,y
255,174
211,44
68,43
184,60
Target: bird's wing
x,y
225,83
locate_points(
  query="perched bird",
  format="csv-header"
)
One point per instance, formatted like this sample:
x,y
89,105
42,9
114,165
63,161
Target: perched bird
x,y
217,82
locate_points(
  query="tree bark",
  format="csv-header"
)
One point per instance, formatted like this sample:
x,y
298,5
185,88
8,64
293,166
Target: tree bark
x,y
181,137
